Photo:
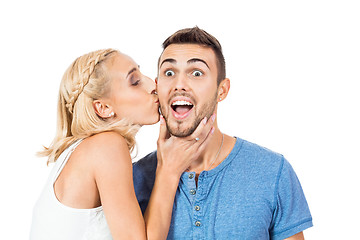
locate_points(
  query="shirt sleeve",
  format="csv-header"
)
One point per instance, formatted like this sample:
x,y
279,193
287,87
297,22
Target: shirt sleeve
x,y
291,211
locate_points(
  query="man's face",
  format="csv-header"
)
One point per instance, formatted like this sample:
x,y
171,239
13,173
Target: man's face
x,y
187,86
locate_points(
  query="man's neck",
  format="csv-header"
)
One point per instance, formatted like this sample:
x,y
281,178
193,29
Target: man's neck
x,y
216,151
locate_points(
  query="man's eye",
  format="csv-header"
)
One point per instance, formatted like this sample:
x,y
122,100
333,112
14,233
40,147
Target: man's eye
x,y
169,73
197,73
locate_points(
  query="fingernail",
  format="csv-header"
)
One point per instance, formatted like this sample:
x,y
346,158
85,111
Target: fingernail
x,y
213,117
204,120
161,119
212,130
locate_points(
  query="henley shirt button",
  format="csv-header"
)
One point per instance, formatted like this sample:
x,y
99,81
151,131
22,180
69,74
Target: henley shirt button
x,y
197,208
198,223
192,191
191,175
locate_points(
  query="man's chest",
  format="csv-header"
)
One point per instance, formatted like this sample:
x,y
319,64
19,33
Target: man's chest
x,y
214,210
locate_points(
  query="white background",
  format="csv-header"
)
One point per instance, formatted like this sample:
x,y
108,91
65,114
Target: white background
x,y
294,70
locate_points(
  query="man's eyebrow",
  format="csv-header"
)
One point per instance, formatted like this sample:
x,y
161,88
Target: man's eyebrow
x,y
194,60
132,70
170,60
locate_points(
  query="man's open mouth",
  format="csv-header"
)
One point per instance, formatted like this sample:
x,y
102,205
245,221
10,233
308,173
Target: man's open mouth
x,y
181,108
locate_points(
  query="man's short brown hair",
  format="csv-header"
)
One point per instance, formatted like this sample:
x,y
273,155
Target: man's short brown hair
x,y
196,35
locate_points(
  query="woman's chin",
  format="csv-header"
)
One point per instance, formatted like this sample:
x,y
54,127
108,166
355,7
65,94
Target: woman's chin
x,y
156,119
151,121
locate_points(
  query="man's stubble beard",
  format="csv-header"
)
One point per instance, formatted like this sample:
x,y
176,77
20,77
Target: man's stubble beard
x,y
206,111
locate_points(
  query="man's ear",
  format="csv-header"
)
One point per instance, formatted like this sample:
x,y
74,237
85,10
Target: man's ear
x,y
103,110
223,89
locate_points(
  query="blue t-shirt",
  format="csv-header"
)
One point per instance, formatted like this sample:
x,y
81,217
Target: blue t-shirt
x,y
253,194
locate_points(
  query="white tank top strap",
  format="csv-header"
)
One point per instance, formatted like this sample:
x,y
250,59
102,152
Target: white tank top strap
x,y
64,157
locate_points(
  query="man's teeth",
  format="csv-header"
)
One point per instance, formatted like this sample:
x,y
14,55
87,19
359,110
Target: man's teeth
x,y
181,103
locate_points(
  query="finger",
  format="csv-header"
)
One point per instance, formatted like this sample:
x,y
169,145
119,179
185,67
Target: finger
x,y
203,129
163,132
206,140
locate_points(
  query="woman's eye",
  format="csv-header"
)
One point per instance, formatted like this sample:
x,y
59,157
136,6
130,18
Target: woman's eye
x,y
169,73
135,83
197,73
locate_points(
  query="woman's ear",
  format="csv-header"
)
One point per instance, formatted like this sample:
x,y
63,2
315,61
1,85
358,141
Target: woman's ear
x,y
103,110
223,89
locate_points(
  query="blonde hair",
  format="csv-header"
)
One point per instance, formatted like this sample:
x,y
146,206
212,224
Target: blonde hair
x,y
84,81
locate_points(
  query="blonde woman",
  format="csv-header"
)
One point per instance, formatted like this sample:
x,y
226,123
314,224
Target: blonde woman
x,y
103,100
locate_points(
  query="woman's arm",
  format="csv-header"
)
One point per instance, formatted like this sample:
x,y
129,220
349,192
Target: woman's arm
x,y
174,156
112,169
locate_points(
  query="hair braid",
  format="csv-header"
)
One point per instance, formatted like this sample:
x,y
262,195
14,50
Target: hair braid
x,y
85,73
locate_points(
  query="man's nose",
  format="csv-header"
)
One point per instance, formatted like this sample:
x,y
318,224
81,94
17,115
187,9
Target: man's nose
x,y
181,83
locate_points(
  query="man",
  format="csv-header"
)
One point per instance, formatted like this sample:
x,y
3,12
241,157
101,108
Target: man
x,y
235,189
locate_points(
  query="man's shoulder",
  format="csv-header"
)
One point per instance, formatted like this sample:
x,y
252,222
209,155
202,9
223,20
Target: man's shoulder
x,y
252,157
146,164
251,149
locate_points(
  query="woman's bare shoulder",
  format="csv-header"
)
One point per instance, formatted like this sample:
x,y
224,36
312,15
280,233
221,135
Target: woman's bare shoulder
x,y
102,148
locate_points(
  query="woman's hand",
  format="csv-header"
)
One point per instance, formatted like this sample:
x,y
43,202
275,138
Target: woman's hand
x,y
175,154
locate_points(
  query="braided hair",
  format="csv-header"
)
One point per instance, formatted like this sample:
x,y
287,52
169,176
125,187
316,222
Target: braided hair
x,y
85,67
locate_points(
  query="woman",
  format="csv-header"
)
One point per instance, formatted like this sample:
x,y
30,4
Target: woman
x,y
103,101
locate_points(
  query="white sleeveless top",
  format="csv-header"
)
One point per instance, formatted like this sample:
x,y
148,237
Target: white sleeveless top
x,y
52,220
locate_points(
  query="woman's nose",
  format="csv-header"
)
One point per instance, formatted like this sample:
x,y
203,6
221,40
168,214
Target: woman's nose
x,y
150,85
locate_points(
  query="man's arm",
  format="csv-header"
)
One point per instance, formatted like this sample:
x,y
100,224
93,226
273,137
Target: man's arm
x,y
298,236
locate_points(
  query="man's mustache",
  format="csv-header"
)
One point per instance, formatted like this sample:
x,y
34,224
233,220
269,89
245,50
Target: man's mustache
x,y
182,94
